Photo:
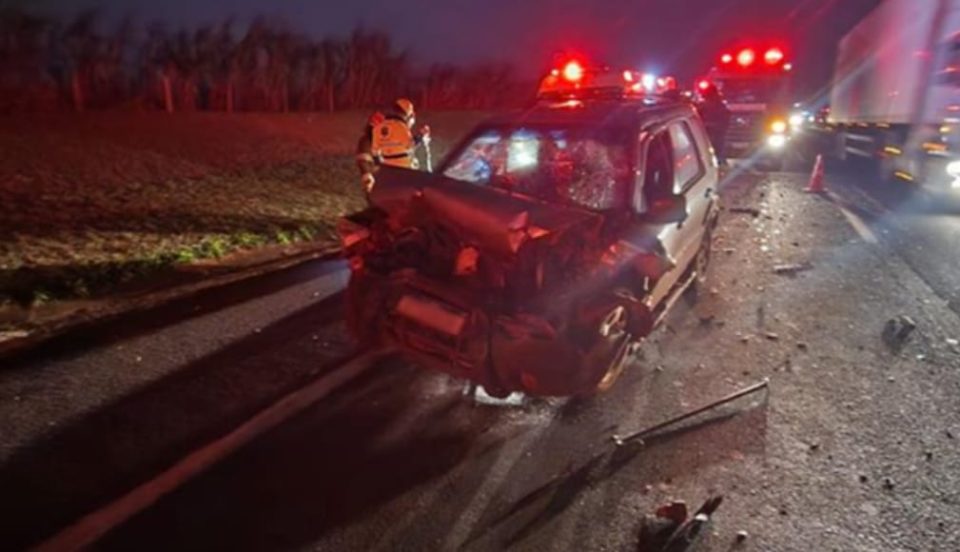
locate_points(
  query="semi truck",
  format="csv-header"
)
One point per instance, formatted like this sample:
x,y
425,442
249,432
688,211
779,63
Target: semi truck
x,y
895,98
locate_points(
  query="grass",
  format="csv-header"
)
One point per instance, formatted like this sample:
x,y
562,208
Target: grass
x,y
93,202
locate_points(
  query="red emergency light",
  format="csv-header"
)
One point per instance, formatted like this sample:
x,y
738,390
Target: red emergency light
x,y
773,56
573,71
746,57
703,85
726,58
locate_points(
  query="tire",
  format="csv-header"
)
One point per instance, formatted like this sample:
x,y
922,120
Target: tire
x,y
609,349
700,266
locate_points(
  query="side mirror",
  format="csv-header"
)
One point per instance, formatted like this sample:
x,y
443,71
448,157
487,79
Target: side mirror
x,y
667,210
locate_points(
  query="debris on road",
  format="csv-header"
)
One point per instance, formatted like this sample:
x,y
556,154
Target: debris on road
x,y
670,529
638,436
888,484
897,331
745,211
772,336
792,269
742,536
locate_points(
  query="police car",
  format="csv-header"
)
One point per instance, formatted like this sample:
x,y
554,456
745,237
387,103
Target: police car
x,y
548,244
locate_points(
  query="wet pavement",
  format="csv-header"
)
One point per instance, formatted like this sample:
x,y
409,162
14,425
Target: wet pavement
x,y
853,448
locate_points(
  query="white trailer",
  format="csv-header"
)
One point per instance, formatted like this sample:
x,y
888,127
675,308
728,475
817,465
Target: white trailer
x,y
895,99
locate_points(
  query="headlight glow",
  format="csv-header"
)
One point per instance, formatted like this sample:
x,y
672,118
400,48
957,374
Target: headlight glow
x,y
953,169
777,141
778,126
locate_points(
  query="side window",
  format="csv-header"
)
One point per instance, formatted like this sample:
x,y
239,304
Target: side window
x,y
688,165
658,176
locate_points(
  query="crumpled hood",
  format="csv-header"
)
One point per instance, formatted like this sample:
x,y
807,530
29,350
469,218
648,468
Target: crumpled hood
x,y
486,217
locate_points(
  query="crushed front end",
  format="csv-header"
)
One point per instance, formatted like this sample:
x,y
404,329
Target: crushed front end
x,y
478,283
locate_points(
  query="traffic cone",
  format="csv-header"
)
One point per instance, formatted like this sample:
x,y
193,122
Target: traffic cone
x,y
817,184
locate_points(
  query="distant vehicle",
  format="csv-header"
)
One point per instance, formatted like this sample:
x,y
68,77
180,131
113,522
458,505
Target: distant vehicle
x,y
548,242
896,95
755,80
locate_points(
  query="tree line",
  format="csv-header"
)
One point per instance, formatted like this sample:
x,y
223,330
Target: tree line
x,y
49,64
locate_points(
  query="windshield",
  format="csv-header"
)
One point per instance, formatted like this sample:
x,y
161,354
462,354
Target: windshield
x,y
751,91
583,167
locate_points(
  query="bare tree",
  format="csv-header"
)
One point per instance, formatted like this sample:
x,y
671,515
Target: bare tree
x,y
266,68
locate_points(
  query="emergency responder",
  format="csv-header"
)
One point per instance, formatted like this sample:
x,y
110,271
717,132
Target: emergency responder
x,y
390,140
716,118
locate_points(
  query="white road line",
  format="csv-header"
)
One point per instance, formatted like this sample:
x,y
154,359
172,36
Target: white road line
x,y
88,529
507,457
857,223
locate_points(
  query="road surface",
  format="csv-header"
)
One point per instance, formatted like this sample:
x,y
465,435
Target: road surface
x,y
854,448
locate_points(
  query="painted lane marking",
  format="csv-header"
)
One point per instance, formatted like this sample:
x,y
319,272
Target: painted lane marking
x,y
91,527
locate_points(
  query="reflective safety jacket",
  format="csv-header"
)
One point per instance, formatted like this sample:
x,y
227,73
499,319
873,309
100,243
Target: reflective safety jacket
x,y
387,141
393,143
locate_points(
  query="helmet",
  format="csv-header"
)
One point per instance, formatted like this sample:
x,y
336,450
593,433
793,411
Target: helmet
x,y
405,107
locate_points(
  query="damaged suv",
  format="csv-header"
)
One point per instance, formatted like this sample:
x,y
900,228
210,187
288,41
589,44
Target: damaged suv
x,y
547,244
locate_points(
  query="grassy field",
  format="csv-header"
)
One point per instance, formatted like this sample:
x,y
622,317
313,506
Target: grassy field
x,y
89,202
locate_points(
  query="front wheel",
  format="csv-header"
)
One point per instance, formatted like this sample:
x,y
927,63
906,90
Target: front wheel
x,y
609,350
700,266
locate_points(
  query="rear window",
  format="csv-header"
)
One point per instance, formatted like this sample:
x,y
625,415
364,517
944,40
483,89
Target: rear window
x,y
584,167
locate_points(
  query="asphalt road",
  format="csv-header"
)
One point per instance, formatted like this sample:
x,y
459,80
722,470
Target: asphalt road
x,y
854,447
924,231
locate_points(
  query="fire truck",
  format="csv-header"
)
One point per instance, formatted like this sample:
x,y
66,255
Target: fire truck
x,y
754,80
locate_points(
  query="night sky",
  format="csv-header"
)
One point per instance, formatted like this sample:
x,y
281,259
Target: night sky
x,y
677,36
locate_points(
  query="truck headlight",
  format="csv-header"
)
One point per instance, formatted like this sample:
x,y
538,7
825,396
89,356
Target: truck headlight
x,y
777,141
953,171
953,168
779,126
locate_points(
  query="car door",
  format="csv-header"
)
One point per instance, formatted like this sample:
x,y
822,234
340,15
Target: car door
x,y
694,180
672,163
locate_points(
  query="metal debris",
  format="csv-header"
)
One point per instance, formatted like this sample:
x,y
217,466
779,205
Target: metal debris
x,y
745,211
671,530
897,331
792,269
638,436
